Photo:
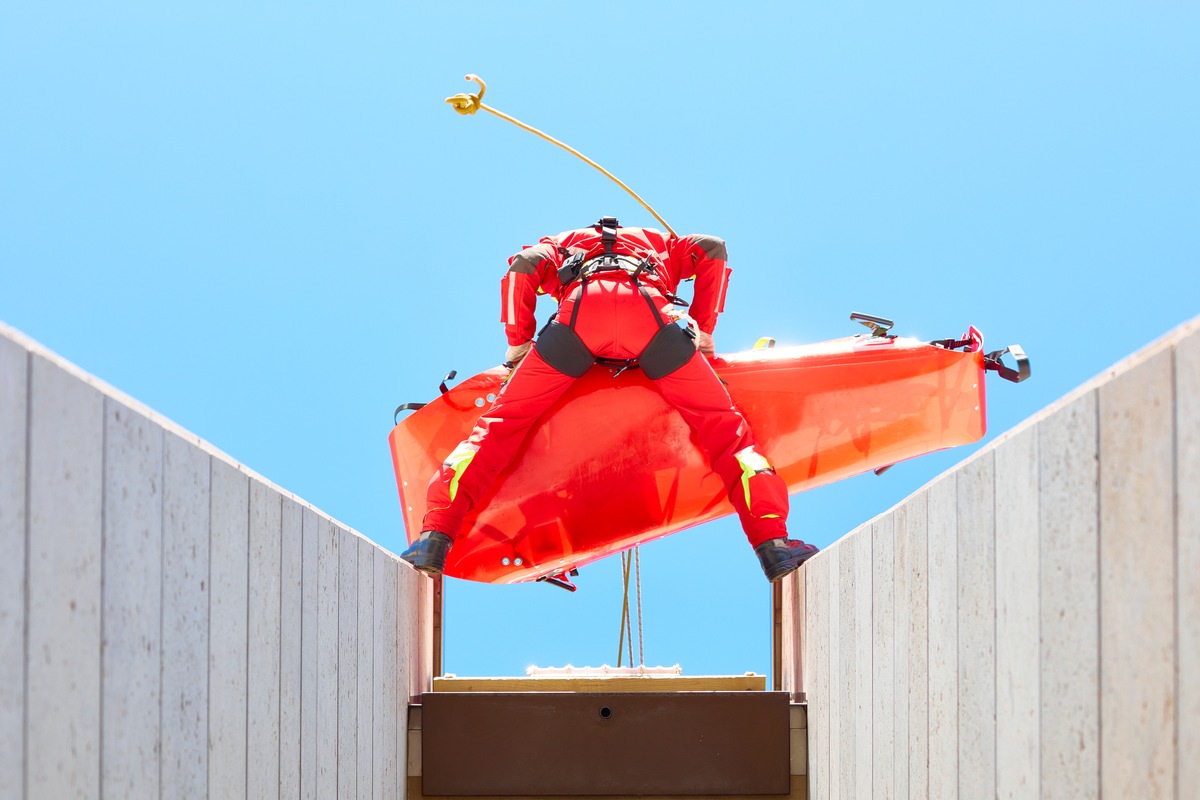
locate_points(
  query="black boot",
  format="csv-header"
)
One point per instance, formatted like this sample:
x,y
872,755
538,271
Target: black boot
x,y
780,557
428,552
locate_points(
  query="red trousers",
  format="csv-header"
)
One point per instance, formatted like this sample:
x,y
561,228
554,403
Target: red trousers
x,y
614,321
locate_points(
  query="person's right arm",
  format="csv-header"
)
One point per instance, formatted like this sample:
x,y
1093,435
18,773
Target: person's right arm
x,y
532,271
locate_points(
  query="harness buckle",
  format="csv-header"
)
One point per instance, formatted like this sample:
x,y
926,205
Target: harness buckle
x,y
621,364
608,233
570,269
613,263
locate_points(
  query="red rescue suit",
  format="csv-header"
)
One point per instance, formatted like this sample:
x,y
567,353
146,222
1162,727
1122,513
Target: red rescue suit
x,y
615,309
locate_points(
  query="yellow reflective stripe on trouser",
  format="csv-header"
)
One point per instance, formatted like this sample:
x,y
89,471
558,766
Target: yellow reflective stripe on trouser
x,y
752,463
458,461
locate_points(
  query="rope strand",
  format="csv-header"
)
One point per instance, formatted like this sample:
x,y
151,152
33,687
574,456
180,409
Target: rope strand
x,y
624,613
637,555
468,104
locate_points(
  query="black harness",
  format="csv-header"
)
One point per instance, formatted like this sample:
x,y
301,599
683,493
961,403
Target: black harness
x,y
562,348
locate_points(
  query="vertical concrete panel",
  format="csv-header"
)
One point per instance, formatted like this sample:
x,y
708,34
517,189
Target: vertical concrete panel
x,y
290,634
266,522
366,667
14,363
187,476
943,638
229,551
902,588
386,700
816,674
1069,696
847,674
427,591
132,618
408,606
977,627
915,534
833,613
1137,581
1187,492
883,653
328,602
863,662
793,597
1017,617
66,456
795,640
800,633
309,660
347,732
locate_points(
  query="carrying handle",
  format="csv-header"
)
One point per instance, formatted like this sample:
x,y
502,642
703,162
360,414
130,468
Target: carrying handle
x,y
405,407
561,580
879,325
442,387
993,361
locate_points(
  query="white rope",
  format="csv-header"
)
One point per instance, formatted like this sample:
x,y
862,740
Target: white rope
x,y
625,636
637,556
624,615
628,621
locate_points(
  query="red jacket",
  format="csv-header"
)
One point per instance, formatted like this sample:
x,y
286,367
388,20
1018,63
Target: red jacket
x,y
534,271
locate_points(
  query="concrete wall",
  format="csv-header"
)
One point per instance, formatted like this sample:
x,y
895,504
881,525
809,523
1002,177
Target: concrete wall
x,y
1028,624
172,625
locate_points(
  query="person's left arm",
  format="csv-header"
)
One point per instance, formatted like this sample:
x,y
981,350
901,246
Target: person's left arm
x,y
706,259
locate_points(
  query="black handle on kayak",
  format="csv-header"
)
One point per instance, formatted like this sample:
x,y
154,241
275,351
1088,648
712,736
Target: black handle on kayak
x,y
560,580
993,361
414,406
405,407
879,325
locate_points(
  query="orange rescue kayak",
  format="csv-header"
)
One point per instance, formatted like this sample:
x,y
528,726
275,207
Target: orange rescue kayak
x,y
821,413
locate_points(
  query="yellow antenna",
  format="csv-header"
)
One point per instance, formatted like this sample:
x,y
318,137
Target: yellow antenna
x,y
470,103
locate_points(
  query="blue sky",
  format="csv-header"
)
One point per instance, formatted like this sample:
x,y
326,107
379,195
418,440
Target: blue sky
x,y
262,221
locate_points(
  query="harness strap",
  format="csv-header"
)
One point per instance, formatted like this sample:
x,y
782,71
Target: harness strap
x,y
608,233
576,301
650,302
621,364
606,263
577,269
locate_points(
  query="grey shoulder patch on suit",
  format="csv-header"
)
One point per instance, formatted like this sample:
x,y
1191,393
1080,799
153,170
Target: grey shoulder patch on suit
x,y
526,262
712,246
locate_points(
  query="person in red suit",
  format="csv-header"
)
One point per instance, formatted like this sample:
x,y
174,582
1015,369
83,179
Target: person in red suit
x,y
615,288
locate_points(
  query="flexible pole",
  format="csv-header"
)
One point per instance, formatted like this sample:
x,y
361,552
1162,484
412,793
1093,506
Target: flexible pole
x,y
467,104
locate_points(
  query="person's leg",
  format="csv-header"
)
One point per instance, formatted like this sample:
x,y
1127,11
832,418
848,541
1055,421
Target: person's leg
x,y
758,494
469,471
633,327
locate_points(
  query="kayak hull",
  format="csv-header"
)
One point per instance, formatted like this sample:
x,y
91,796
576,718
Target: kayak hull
x,y
625,469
